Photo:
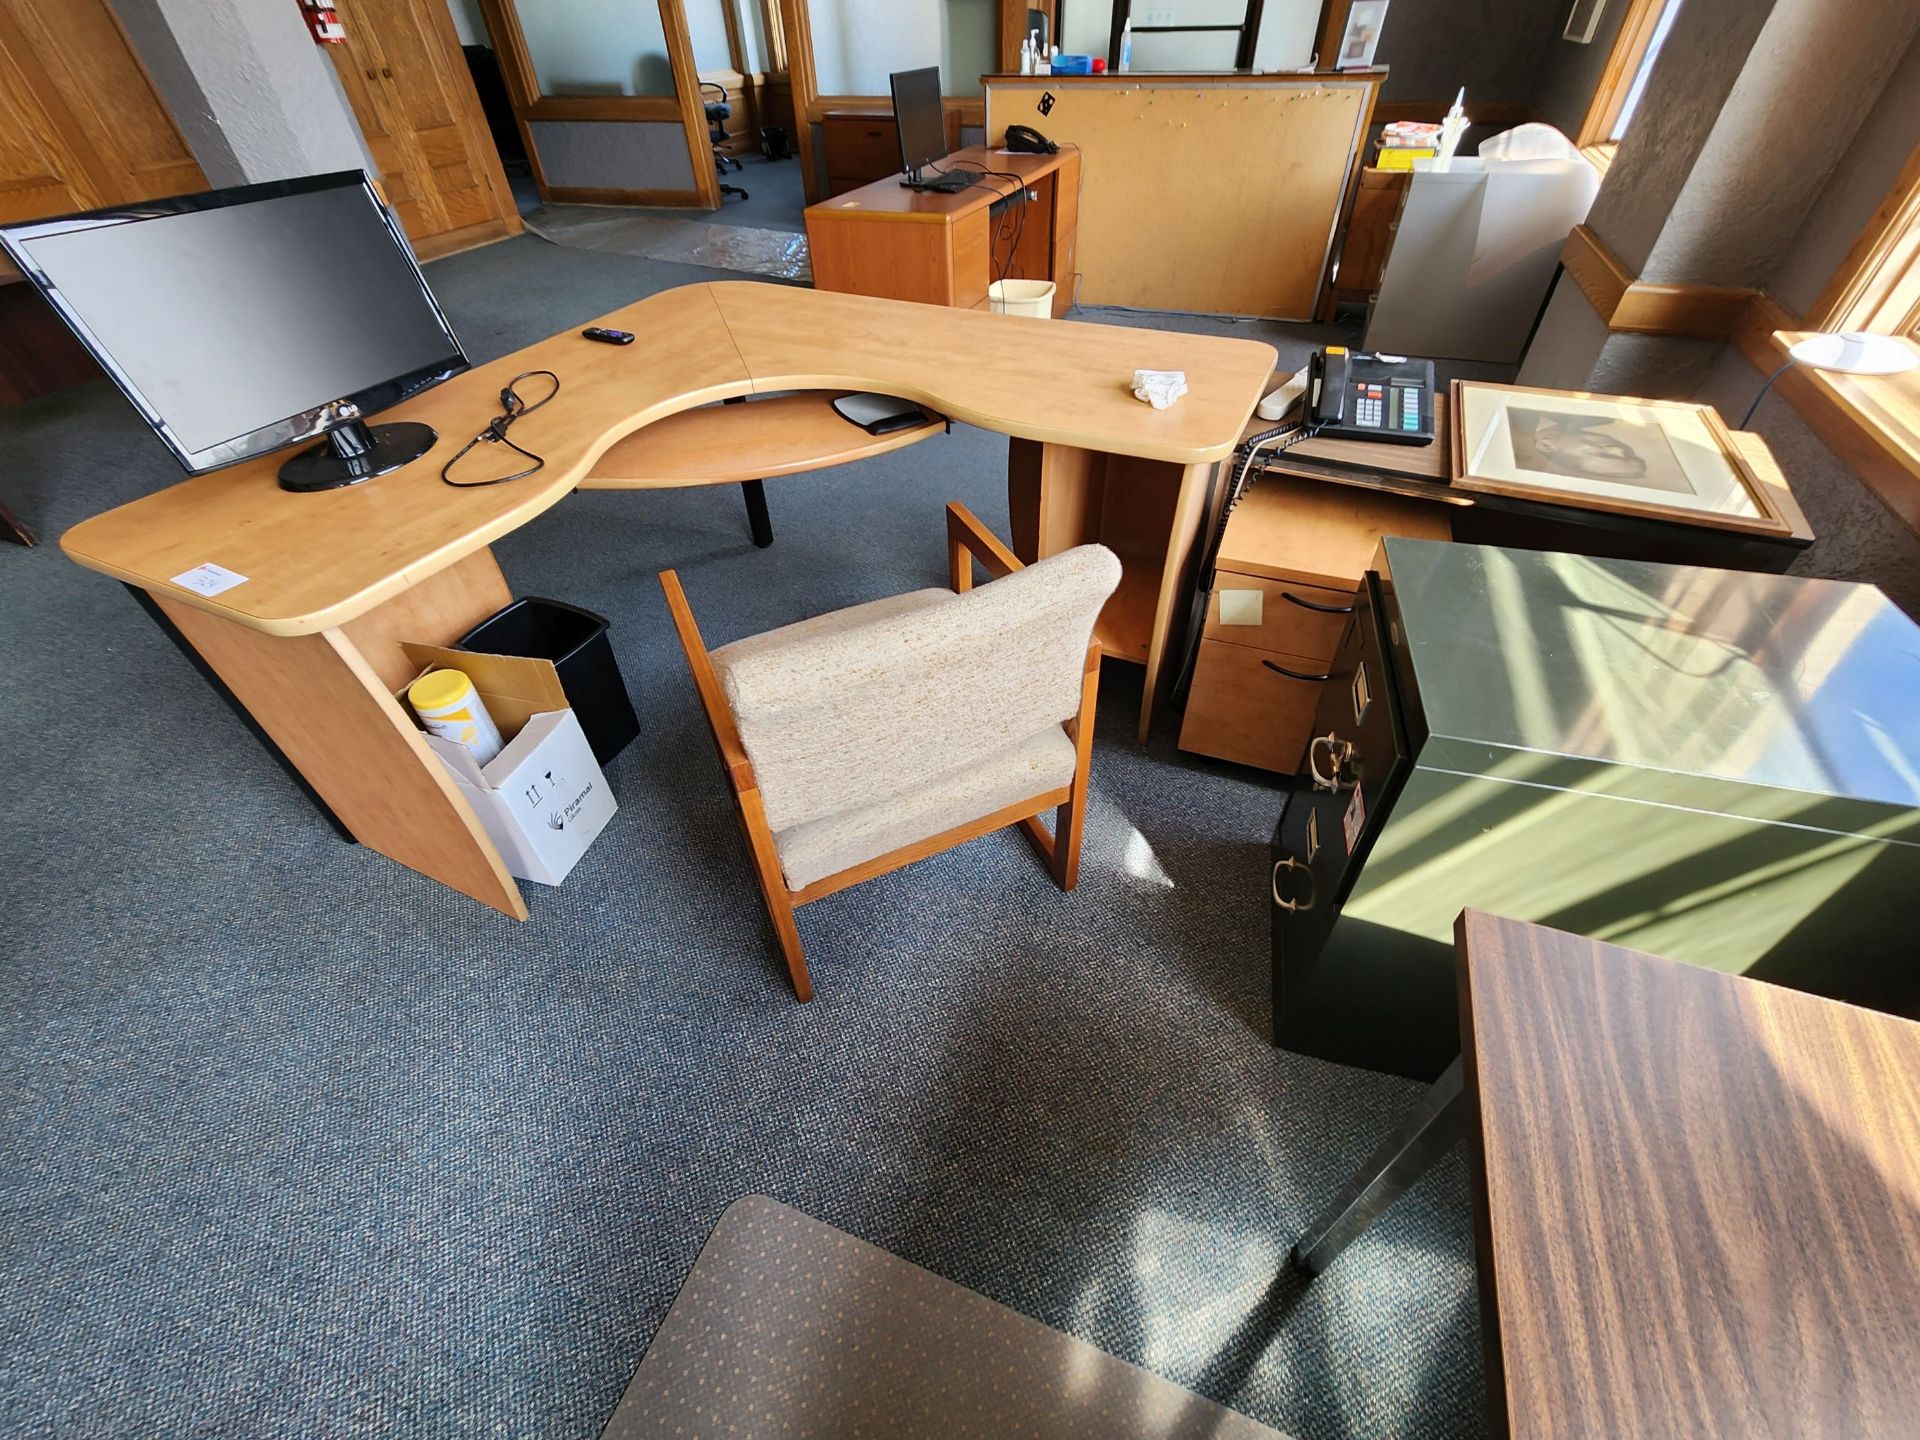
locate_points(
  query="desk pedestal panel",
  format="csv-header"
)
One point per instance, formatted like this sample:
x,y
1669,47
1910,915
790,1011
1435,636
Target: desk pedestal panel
x,y
1151,513
327,703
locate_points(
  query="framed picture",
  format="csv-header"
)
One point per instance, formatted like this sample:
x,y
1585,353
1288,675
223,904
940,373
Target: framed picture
x,y
1362,35
1583,20
1660,459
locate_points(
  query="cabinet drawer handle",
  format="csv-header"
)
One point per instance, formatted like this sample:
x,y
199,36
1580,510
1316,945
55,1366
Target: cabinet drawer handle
x,y
1293,674
1317,608
1339,752
1287,862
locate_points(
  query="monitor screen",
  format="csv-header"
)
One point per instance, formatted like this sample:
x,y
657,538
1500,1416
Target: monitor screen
x,y
918,115
234,320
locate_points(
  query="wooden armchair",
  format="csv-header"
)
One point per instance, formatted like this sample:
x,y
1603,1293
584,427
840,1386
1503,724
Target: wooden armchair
x,y
862,740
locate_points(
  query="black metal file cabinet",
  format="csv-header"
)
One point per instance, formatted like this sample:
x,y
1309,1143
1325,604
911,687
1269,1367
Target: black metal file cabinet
x,y
1716,766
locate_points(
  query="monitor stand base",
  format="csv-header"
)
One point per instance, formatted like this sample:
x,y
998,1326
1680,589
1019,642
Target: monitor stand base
x,y
356,452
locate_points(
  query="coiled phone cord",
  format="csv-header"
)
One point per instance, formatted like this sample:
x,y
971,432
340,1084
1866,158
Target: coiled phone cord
x,y
1281,437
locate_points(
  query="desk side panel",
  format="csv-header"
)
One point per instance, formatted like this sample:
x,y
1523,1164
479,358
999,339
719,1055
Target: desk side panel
x,y
885,258
325,708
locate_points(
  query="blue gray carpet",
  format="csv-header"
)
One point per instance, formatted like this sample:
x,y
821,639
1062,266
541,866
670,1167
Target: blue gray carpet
x,y
298,1143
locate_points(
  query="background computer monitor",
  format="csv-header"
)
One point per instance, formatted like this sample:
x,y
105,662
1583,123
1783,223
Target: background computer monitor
x,y
241,321
919,117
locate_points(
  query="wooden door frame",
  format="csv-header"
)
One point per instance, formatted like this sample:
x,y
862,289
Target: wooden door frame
x,y
684,106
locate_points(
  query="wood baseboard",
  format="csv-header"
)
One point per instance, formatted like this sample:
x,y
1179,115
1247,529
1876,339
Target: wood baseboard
x,y
599,195
1631,306
469,237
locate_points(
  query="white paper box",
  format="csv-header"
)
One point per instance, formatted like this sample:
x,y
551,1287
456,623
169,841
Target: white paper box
x,y
542,799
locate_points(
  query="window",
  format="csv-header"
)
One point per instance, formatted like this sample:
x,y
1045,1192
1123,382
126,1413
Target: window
x,y
1878,285
1643,70
1643,30
1167,34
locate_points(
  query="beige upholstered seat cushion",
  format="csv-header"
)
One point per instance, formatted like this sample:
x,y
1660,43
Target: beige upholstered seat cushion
x,y
845,711
816,849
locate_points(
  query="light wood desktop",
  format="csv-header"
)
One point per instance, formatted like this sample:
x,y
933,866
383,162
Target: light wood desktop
x,y
309,645
900,244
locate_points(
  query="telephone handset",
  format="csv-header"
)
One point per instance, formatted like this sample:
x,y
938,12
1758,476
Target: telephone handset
x,y
1370,397
1025,140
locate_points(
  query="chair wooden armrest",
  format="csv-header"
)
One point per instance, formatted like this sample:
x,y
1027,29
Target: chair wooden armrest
x,y
726,734
969,540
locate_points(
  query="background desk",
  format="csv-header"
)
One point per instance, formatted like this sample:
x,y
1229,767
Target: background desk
x,y
310,646
899,244
1309,528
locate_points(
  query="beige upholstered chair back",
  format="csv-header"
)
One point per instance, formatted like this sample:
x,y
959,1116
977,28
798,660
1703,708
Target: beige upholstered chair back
x,y
931,684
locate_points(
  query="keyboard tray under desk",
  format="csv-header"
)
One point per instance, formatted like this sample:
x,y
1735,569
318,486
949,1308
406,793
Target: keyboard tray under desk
x,y
755,439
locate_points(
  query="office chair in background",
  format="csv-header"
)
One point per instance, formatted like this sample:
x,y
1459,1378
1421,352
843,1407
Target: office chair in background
x,y
718,113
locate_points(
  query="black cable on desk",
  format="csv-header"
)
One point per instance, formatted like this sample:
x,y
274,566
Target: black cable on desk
x,y
512,407
1000,229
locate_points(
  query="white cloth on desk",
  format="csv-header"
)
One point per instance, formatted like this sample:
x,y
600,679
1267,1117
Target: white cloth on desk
x,y
1159,388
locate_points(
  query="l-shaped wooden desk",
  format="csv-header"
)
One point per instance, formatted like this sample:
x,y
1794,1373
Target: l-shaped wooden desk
x,y
309,645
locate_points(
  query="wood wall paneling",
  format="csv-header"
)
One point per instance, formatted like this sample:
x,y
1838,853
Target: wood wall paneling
x,y
80,123
408,85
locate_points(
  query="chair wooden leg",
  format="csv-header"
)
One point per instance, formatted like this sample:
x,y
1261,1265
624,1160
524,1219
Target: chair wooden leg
x,y
1060,847
773,891
1070,819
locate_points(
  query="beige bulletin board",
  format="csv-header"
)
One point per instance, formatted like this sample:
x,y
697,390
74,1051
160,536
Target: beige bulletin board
x,y
1200,193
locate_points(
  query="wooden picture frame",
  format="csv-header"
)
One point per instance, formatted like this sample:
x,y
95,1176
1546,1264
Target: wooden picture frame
x,y
1692,447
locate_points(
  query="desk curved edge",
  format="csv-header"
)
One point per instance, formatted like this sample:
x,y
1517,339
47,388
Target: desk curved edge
x,y
315,562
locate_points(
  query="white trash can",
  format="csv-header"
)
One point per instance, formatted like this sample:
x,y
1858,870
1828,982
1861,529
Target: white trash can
x,y
1021,297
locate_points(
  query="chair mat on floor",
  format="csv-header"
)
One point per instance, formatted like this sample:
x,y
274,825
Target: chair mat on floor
x,y
789,1327
746,248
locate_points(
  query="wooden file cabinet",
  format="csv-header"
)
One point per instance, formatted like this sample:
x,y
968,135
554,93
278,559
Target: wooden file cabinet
x,y
862,147
898,244
1293,554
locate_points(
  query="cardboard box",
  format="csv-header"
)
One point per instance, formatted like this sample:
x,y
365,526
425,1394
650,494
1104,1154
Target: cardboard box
x,y
542,799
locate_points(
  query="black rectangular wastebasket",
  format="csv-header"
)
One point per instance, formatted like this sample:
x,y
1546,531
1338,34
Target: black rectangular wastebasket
x,y
575,640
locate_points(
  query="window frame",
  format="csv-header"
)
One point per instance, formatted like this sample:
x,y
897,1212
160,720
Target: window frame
x,y
1636,33
1877,286
1247,32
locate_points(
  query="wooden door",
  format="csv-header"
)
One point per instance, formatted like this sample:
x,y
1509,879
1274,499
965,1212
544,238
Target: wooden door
x,y
408,84
80,124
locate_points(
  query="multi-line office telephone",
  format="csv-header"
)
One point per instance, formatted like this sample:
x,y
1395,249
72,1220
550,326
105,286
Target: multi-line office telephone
x,y
1370,397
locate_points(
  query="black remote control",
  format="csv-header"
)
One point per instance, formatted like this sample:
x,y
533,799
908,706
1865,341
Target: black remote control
x,y
608,337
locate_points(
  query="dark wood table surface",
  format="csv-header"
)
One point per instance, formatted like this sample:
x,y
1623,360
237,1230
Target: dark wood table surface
x,y
1699,1195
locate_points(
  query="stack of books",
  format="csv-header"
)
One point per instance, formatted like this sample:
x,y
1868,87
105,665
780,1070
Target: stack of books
x,y
1405,141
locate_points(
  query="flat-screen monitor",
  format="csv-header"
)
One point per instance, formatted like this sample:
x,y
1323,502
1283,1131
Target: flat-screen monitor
x,y
242,321
919,117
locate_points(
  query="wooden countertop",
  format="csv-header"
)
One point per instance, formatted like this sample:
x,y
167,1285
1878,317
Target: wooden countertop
x,y
316,561
888,199
1699,1195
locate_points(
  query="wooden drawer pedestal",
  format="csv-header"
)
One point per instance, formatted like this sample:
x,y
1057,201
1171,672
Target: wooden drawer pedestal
x,y
1294,552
